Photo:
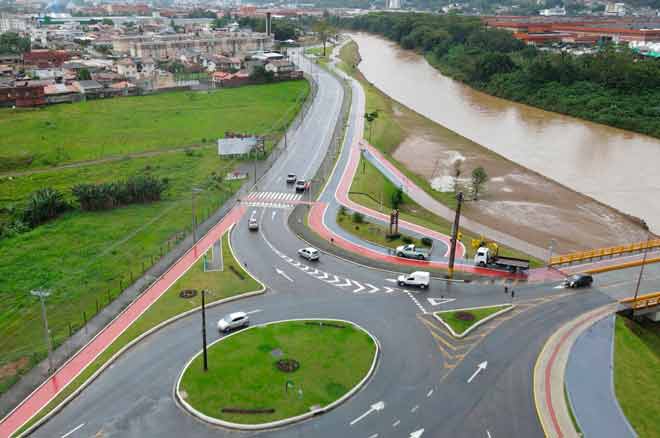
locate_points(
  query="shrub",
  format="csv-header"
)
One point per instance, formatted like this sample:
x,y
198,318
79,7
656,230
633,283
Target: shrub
x,y
358,217
407,240
342,210
427,241
393,236
43,205
139,189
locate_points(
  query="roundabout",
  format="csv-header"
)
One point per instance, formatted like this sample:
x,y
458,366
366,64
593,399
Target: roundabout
x,y
278,373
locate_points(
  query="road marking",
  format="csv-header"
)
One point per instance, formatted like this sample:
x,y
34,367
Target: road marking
x,y
336,280
73,430
482,366
417,433
391,280
430,393
488,434
273,214
373,436
283,274
439,301
372,289
379,406
415,301
345,284
414,409
396,423
388,290
253,311
360,288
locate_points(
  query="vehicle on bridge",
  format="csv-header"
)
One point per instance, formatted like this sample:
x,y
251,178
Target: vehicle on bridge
x,y
421,279
412,252
485,257
233,321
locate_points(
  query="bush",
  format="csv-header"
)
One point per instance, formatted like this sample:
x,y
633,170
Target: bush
x,y
358,217
407,240
43,205
427,241
136,189
342,210
393,236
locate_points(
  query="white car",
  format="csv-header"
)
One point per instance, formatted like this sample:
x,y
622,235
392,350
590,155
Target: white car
x,y
309,253
291,178
233,321
253,224
418,278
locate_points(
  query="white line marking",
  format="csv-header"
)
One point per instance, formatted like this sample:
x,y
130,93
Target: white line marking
x,y
73,430
374,289
482,366
430,393
391,280
360,288
414,409
373,436
488,433
379,406
347,283
253,311
417,433
335,280
283,274
396,423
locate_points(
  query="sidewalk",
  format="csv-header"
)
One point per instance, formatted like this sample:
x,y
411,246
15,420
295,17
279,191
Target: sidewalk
x,y
590,383
550,369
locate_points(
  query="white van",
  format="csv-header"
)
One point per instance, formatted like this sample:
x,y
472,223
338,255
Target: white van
x,y
418,278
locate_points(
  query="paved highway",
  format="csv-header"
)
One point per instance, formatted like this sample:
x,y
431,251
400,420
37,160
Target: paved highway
x,y
422,376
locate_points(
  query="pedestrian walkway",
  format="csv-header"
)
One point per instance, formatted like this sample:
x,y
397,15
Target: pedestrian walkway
x,y
549,374
590,383
273,199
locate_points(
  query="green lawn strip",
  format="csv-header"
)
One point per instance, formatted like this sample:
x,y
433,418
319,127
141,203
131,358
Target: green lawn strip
x,y
569,406
242,372
450,317
60,134
373,232
637,373
220,284
87,258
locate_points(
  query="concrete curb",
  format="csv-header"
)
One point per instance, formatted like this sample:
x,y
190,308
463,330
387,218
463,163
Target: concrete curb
x,y
478,323
279,423
548,396
135,341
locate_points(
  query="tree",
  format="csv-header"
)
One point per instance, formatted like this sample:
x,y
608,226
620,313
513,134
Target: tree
x,y
371,118
43,205
260,74
479,178
107,22
324,31
11,42
397,198
84,75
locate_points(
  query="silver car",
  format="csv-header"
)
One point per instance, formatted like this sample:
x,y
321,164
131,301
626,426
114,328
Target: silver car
x,y
233,321
309,253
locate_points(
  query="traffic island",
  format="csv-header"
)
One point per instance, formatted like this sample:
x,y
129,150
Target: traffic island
x,y
275,374
460,322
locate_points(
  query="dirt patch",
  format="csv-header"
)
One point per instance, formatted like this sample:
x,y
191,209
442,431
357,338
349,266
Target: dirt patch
x,y
287,365
13,368
517,201
464,316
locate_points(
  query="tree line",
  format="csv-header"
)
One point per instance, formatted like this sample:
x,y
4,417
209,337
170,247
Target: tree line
x,y
613,86
48,203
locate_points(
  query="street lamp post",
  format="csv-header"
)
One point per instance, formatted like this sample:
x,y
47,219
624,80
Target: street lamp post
x,y
641,272
551,249
194,217
43,294
454,235
206,360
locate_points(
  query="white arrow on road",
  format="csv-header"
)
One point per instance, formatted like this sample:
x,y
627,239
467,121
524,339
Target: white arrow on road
x,y
438,301
283,274
345,284
373,288
379,406
417,433
360,288
273,214
482,366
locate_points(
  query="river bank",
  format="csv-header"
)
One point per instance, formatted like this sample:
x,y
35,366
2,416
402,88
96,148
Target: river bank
x,y
519,201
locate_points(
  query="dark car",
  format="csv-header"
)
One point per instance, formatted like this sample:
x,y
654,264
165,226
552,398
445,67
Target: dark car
x,y
579,280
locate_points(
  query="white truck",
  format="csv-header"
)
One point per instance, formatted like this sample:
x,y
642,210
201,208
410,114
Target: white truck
x,y
412,252
418,278
485,257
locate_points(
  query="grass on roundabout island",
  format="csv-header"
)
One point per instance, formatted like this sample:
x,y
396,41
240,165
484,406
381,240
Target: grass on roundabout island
x,y
333,357
461,320
636,373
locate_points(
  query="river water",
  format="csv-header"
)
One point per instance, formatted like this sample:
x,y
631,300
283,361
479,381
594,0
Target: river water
x,y
616,167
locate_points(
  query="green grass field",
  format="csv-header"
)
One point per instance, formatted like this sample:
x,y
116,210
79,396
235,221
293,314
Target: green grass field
x,y
86,258
637,374
372,232
91,130
459,325
242,372
220,284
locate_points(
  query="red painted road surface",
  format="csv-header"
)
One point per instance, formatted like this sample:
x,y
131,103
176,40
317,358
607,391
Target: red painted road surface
x,y
63,376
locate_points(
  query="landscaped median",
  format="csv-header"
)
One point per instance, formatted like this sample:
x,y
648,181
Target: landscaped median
x,y
278,373
460,322
181,298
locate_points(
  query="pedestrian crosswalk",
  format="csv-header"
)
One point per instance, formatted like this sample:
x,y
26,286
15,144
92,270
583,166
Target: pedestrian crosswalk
x,y
273,199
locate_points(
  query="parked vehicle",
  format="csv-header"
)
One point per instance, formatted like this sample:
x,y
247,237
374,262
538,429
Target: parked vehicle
x,y
309,253
485,257
253,224
291,178
419,278
578,280
302,185
412,252
233,321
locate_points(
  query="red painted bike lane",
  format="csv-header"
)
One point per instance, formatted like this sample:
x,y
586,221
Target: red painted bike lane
x,y
40,397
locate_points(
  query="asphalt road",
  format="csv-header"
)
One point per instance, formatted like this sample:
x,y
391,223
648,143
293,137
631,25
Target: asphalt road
x,y
421,378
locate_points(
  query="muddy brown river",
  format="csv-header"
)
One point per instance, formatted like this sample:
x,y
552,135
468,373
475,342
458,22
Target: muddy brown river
x,y
616,167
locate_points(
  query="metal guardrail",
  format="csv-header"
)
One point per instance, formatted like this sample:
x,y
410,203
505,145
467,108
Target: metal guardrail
x,y
643,301
603,252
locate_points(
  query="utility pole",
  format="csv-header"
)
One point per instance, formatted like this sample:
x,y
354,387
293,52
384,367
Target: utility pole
x,y
641,272
454,234
206,360
551,249
43,294
194,217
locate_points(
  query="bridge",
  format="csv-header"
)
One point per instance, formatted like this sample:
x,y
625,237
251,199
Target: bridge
x,y
644,305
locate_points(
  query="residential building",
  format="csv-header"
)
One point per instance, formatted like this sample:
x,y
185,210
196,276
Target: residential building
x,y
45,58
552,12
615,9
60,93
29,94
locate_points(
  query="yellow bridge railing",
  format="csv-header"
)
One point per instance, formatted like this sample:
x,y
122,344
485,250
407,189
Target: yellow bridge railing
x,y
643,301
602,252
